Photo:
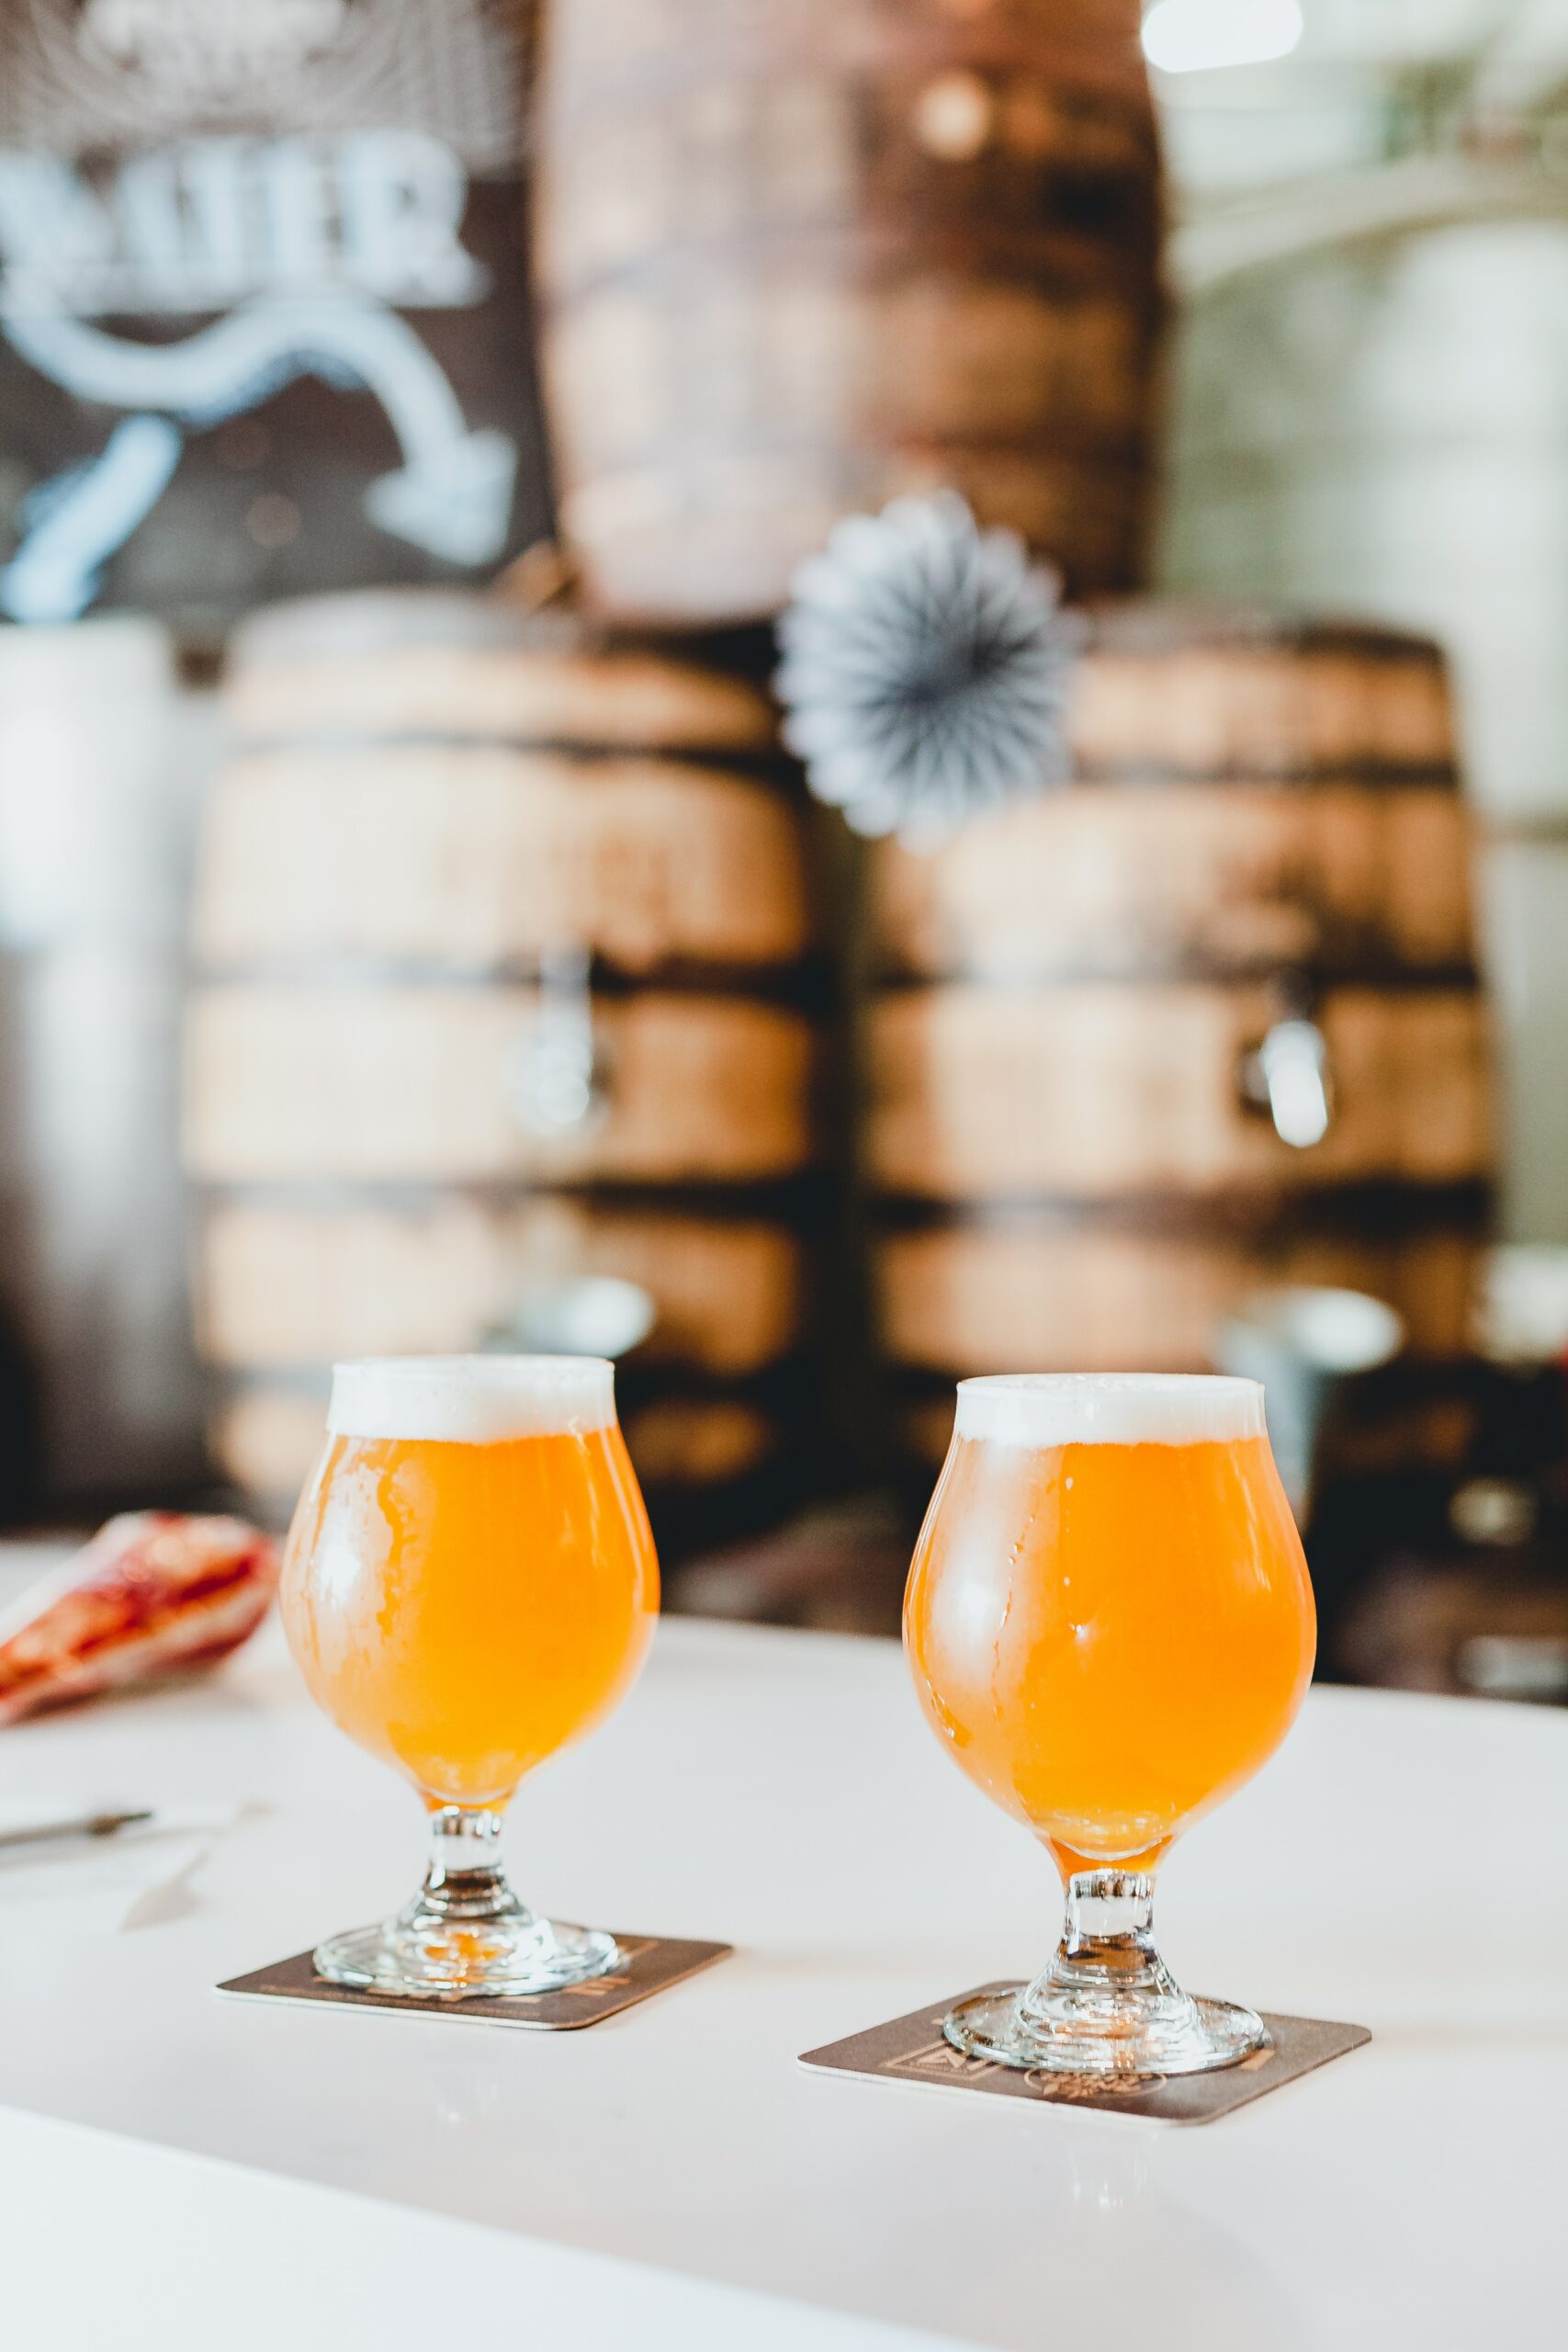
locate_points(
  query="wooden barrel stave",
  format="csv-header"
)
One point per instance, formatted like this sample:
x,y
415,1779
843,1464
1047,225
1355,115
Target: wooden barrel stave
x,y
1045,1293
458,668
408,1083
613,51
933,364
1186,879
1061,191
474,858
1171,690
284,1283
1091,1091
743,518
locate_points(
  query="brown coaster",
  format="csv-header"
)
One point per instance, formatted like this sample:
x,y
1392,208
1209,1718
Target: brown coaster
x,y
649,1964
912,2049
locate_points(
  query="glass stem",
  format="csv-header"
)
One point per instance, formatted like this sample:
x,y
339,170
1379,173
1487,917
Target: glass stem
x,y
1108,1943
465,1879
1110,1918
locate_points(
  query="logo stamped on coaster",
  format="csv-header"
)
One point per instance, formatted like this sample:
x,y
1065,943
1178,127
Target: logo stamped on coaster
x,y
913,2048
649,1964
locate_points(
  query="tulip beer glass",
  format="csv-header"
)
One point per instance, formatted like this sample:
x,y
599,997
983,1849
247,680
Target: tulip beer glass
x,y
469,1583
1111,1628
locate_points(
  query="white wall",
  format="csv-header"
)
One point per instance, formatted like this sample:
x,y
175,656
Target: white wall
x,y
1383,427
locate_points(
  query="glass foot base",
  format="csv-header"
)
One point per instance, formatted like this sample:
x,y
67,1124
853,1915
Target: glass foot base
x,y
428,1956
1059,2029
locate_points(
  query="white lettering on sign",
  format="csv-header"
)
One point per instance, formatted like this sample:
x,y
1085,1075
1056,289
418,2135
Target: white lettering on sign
x,y
308,248
201,225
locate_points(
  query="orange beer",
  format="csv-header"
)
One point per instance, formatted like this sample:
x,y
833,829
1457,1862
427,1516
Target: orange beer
x,y
1109,1616
461,1610
469,1583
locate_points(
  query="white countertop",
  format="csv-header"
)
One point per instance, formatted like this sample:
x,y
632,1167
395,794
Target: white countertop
x,y
1403,1863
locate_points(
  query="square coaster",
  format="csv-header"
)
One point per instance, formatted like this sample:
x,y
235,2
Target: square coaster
x,y
649,1964
912,2049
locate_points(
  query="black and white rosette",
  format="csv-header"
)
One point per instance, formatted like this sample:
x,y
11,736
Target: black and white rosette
x,y
925,671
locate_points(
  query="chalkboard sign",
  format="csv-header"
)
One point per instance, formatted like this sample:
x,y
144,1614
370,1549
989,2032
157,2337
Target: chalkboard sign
x,y
263,300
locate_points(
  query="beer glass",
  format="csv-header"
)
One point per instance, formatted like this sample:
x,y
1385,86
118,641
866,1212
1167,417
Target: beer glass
x,y
469,1583
1110,1627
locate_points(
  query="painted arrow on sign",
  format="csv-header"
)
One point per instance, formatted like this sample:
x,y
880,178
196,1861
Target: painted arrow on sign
x,y
452,494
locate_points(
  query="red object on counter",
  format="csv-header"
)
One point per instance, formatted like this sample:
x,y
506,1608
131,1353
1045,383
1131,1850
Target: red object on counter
x,y
154,1592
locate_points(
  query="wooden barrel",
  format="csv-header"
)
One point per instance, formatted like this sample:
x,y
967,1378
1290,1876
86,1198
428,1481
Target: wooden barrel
x,y
431,802
794,262
1069,1117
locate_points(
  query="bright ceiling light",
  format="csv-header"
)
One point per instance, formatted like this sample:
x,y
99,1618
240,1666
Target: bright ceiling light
x,y
1191,36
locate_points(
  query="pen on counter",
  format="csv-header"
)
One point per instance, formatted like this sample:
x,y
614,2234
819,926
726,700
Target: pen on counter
x,y
90,1825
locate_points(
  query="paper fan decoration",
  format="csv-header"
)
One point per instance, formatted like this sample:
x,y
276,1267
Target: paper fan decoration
x,y
926,668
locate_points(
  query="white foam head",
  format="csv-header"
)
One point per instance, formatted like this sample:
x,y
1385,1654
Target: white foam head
x,y
471,1400
1046,1409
